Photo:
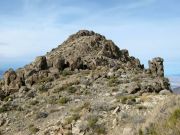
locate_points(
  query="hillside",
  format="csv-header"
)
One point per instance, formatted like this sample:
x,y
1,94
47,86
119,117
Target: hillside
x,y
87,85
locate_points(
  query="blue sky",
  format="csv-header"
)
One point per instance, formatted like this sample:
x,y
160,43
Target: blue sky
x,y
147,28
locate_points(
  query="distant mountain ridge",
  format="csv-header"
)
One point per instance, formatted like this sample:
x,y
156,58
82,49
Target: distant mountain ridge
x,y
175,83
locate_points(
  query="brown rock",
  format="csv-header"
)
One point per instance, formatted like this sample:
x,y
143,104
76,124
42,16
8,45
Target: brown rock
x,y
156,67
41,63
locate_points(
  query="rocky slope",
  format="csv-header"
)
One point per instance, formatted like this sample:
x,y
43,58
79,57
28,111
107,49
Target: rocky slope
x,y
87,85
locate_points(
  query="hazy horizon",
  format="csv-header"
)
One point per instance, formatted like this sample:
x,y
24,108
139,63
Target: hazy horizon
x,y
147,28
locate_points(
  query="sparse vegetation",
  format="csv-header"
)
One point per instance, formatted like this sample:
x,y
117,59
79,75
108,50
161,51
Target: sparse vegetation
x,y
86,105
66,73
113,81
168,125
42,88
40,115
63,100
3,109
100,129
33,129
97,128
126,99
67,86
70,119
45,80
34,102
7,98
71,89
141,107
92,120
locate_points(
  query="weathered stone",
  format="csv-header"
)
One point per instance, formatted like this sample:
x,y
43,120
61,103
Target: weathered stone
x,y
156,67
77,64
165,92
110,50
11,81
133,88
60,63
41,63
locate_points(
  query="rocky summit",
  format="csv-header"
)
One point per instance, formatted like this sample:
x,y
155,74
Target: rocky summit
x,y
85,86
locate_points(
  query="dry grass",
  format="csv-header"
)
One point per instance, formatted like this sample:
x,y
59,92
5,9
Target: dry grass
x,y
165,119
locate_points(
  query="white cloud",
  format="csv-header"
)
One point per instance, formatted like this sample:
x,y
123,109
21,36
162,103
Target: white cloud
x,y
40,29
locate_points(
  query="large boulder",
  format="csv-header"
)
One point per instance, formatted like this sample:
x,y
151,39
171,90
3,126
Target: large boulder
x,y
77,64
156,67
11,81
60,63
41,63
110,50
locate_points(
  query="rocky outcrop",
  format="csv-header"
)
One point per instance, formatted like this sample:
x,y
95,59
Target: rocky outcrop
x,y
40,63
87,85
12,82
156,67
81,51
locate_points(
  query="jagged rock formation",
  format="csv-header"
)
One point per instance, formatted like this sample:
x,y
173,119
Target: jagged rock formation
x,y
83,50
86,70
156,67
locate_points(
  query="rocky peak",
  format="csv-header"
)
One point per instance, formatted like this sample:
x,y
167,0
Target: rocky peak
x,y
82,50
87,85
93,49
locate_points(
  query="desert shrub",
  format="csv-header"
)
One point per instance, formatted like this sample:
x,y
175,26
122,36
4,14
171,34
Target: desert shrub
x,y
94,126
115,89
174,118
127,99
100,129
113,82
141,107
63,100
34,102
40,115
66,86
42,88
45,80
58,100
86,105
72,118
169,125
3,109
7,98
66,72
92,120
33,129
52,100
71,89
140,132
